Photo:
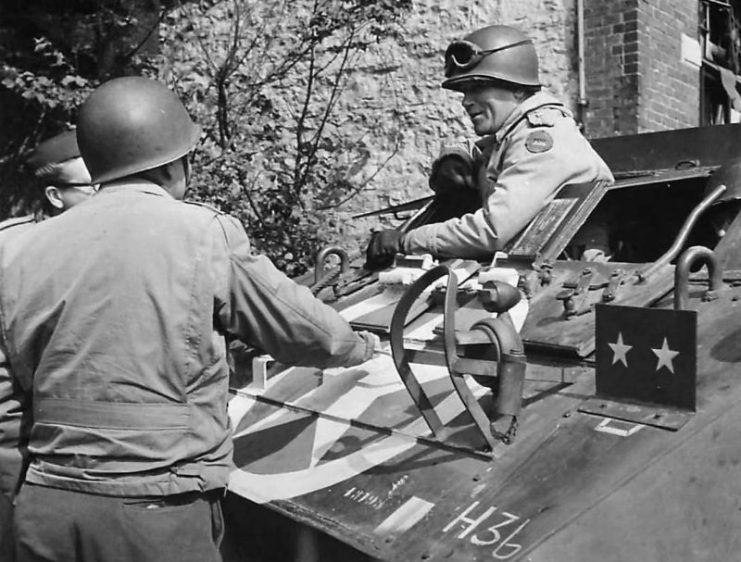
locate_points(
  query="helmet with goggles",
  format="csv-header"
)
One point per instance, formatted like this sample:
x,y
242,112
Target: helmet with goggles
x,y
132,124
493,53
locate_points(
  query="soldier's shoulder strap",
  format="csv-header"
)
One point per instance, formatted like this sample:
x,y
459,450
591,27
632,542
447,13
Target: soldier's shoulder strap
x,y
537,116
232,227
204,205
545,115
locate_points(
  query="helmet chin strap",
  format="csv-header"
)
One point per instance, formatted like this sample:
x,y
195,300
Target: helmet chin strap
x,y
186,168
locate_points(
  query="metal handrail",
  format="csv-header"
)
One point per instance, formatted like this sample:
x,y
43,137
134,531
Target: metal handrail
x,y
684,233
682,273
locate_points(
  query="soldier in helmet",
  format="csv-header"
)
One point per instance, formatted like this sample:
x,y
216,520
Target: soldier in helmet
x,y
121,343
530,147
57,164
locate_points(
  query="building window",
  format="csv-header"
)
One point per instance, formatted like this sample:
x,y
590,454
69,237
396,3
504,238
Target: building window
x,y
720,36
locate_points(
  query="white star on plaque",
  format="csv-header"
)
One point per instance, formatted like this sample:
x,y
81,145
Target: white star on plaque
x,y
620,350
665,356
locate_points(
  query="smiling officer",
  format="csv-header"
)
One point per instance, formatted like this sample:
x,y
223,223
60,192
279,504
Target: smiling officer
x,y
530,147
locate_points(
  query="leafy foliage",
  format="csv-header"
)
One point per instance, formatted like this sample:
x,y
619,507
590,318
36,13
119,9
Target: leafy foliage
x,y
60,88
263,79
53,54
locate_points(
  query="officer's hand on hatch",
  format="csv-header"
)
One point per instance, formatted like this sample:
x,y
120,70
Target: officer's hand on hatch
x,y
382,248
372,344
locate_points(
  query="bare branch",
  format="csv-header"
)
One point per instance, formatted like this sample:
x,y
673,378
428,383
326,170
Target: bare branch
x,y
128,56
361,186
334,96
248,196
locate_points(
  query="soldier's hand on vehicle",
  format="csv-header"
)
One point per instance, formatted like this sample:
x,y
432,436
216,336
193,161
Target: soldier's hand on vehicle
x,y
372,345
382,248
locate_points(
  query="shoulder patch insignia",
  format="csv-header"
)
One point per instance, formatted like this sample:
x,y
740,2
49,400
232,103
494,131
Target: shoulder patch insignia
x,y
539,141
204,205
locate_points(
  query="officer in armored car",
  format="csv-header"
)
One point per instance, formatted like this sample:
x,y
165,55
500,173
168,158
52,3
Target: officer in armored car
x,y
530,147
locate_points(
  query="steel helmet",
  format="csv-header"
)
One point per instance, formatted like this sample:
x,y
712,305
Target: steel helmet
x,y
495,52
729,174
131,124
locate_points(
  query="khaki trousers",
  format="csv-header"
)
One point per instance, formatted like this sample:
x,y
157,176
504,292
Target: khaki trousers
x,y
65,526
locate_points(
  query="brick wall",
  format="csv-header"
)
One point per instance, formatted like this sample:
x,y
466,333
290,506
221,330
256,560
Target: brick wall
x,y
671,92
635,78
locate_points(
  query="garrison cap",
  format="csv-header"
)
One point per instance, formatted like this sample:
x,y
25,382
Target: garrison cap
x,y
57,161
53,151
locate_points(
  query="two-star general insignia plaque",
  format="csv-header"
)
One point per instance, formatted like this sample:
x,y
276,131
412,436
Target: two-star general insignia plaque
x,y
645,356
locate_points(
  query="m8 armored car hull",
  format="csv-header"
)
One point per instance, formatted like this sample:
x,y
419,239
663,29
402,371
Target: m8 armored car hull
x,y
573,400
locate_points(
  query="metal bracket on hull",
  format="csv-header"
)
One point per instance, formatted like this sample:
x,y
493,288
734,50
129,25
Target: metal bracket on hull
x,y
646,414
503,369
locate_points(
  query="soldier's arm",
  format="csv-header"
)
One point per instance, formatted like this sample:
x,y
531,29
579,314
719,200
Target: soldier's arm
x,y
261,306
529,179
538,164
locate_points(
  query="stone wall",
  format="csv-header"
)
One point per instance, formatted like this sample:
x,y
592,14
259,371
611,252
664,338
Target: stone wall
x,y
402,80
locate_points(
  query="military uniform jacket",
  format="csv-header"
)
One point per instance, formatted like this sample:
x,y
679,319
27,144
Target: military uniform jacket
x,y
121,340
11,396
518,170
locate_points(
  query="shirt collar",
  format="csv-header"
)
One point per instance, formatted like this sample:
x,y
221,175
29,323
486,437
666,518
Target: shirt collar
x,y
138,185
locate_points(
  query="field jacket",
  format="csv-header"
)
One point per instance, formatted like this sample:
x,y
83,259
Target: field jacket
x,y
113,315
12,398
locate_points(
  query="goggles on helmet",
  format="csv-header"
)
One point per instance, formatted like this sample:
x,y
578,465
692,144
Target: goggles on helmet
x,y
464,55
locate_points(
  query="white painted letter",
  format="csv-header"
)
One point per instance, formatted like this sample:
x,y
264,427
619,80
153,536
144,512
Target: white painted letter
x,y
472,523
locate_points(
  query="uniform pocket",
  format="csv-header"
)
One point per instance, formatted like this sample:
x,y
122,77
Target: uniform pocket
x,y
217,522
168,529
